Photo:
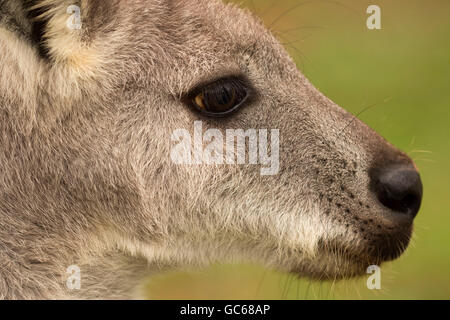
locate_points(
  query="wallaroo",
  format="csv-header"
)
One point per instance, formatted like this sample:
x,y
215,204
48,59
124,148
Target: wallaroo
x,y
86,174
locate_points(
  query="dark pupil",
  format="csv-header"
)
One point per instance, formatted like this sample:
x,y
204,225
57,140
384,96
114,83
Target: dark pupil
x,y
221,99
225,97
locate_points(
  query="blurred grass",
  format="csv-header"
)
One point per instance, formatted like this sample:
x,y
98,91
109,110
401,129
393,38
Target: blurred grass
x,y
404,71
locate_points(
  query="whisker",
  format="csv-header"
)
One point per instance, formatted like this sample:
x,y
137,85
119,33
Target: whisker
x,y
258,288
307,289
425,160
362,111
287,31
299,53
286,12
420,151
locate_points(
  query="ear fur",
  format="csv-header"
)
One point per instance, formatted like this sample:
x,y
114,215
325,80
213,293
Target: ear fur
x,y
71,64
66,30
55,39
13,18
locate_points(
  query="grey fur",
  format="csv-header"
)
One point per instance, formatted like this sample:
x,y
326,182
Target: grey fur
x,y
85,171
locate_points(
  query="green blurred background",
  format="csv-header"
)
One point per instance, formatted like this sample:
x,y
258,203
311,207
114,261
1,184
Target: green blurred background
x,y
403,70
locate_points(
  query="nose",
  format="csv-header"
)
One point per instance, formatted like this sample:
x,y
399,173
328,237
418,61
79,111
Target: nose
x,y
398,188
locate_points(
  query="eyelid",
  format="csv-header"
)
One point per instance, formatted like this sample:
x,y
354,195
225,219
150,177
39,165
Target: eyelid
x,y
189,98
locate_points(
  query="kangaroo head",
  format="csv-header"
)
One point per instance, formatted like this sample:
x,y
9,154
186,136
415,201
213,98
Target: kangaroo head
x,y
181,133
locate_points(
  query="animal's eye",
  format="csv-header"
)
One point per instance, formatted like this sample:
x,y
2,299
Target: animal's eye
x,y
219,98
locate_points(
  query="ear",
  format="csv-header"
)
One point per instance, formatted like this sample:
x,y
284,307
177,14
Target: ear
x,y
13,18
66,32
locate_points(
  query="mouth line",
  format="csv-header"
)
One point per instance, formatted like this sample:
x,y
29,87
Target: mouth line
x,y
334,268
363,255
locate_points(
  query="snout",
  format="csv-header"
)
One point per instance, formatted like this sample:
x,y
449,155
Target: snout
x,y
399,188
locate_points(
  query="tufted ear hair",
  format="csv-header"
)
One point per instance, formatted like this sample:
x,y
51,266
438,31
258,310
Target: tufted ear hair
x,y
65,31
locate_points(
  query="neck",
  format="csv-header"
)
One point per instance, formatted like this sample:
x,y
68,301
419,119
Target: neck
x,y
39,268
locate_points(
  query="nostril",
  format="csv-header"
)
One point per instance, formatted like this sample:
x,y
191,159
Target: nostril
x,y
398,188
